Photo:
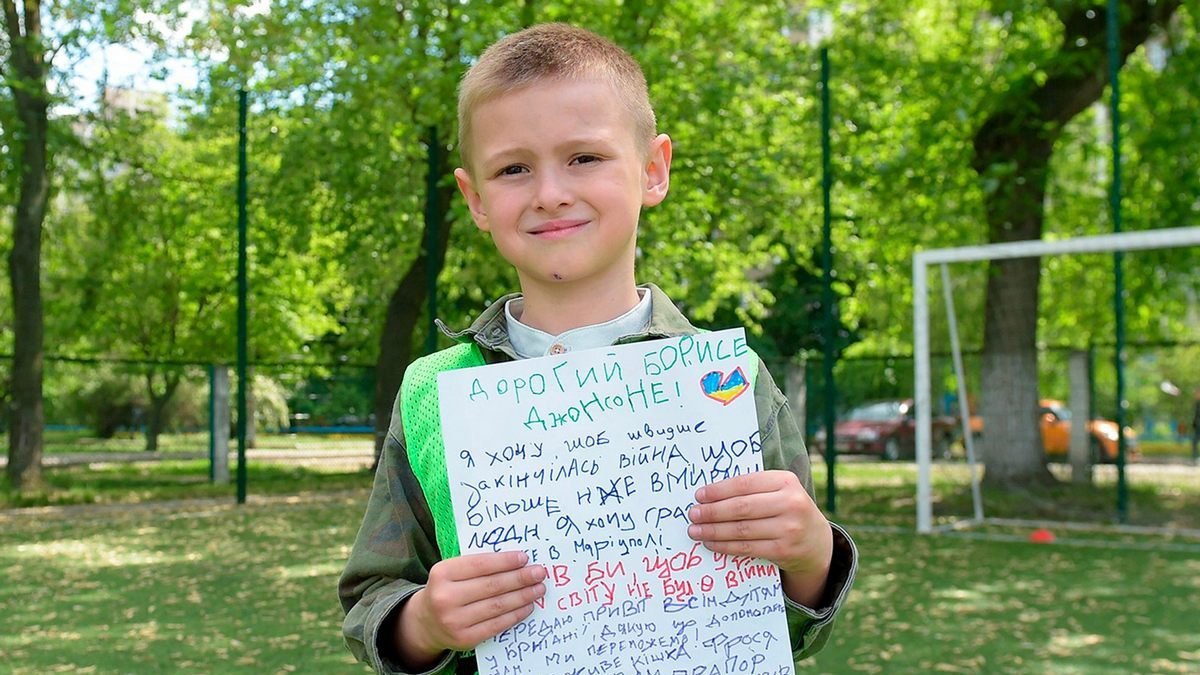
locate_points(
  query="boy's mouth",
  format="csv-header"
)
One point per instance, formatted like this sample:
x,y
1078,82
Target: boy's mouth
x,y
554,229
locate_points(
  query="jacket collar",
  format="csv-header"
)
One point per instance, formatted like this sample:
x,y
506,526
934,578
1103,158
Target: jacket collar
x,y
490,330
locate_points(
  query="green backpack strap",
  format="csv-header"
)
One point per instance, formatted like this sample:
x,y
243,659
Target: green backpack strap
x,y
423,434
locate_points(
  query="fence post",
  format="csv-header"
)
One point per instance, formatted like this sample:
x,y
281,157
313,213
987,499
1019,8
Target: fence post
x,y
1080,405
218,424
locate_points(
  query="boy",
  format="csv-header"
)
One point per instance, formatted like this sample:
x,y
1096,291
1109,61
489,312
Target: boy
x,y
560,154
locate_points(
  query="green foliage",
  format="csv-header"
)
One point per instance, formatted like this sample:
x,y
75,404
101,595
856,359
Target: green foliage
x,y
139,246
109,404
794,323
343,398
107,398
270,404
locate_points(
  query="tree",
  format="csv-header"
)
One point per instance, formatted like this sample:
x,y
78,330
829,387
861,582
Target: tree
x,y
148,266
145,213
1013,149
373,160
370,123
913,86
24,71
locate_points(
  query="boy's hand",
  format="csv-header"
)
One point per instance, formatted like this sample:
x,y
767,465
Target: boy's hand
x,y
768,515
467,600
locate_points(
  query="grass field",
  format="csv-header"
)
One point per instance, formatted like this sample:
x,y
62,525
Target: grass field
x,y
1160,496
223,589
72,442
868,492
59,442
132,483
210,587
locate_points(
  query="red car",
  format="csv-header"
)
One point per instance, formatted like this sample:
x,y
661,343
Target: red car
x,y
888,429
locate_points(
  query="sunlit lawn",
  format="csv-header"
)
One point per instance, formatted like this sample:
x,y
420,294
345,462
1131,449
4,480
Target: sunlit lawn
x,y
297,463
251,590
124,483
68,442
867,492
885,493
225,590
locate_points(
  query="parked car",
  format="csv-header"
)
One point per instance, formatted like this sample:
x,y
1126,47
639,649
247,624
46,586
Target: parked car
x,y
888,429
1054,421
1102,434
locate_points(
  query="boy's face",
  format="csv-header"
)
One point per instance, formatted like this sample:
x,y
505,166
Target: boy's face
x,y
559,180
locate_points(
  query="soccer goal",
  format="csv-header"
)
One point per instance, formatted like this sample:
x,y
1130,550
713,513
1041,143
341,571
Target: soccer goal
x,y
923,261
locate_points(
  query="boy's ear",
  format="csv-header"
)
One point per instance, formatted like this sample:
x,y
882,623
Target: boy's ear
x,y
474,202
658,171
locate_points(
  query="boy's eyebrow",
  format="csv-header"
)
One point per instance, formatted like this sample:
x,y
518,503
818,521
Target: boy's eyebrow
x,y
516,152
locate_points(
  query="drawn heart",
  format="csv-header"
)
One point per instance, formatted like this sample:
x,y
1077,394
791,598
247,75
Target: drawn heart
x,y
718,387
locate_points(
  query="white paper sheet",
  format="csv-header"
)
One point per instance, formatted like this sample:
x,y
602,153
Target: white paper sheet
x,y
589,462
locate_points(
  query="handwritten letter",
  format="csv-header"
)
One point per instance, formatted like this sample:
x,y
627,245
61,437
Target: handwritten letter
x,y
589,462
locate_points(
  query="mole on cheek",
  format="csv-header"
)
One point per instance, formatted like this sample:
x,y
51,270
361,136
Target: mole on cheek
x,y
558,276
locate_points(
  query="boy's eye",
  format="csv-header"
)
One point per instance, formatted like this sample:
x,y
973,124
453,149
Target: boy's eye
x,y
586,159
511,170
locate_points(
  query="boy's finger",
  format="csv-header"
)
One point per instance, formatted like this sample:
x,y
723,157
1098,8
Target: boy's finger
x,y
493,586
475,565
486,609
742,530
751,548
498,624
746,507
750,483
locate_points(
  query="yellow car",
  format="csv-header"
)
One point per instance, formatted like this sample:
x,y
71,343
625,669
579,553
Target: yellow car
x,y
1102,434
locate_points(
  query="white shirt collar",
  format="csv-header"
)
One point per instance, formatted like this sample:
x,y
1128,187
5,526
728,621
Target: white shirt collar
x,y
529,342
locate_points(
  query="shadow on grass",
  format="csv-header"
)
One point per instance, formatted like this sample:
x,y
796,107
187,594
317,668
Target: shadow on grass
x,y
937,604
249,590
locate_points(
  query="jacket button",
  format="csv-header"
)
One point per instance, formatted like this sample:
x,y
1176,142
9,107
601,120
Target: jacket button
x,y
558,349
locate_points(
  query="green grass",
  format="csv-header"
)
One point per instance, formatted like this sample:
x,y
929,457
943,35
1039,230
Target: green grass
x,y
69,442
251,590
230,590
1181,449
125,483
885,494
868,492
944,604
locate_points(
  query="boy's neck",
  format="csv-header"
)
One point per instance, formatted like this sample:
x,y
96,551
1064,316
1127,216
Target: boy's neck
x,y
558,309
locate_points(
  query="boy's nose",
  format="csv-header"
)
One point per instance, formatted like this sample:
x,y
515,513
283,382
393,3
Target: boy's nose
x,y
552,192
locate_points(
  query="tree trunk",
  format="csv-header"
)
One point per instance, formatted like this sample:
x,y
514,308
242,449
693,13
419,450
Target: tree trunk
x,y
26,74
1012,155
156,416
405,306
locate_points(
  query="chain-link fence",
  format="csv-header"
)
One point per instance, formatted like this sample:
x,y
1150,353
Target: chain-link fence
x,y
116,398
1162,381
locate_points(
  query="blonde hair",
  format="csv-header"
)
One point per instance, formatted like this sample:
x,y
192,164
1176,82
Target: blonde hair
x,y
552,51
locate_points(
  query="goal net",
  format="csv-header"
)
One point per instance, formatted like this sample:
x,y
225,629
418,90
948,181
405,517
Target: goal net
x,y
948,322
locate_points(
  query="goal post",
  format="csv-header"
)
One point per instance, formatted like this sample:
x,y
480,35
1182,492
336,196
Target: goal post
x,y
922,260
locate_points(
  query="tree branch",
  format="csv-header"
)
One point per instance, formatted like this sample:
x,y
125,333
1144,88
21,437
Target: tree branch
x,y
12,24
33,19
1074,77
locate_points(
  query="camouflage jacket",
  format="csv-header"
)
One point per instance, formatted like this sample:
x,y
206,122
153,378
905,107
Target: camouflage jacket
x,y
396,545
